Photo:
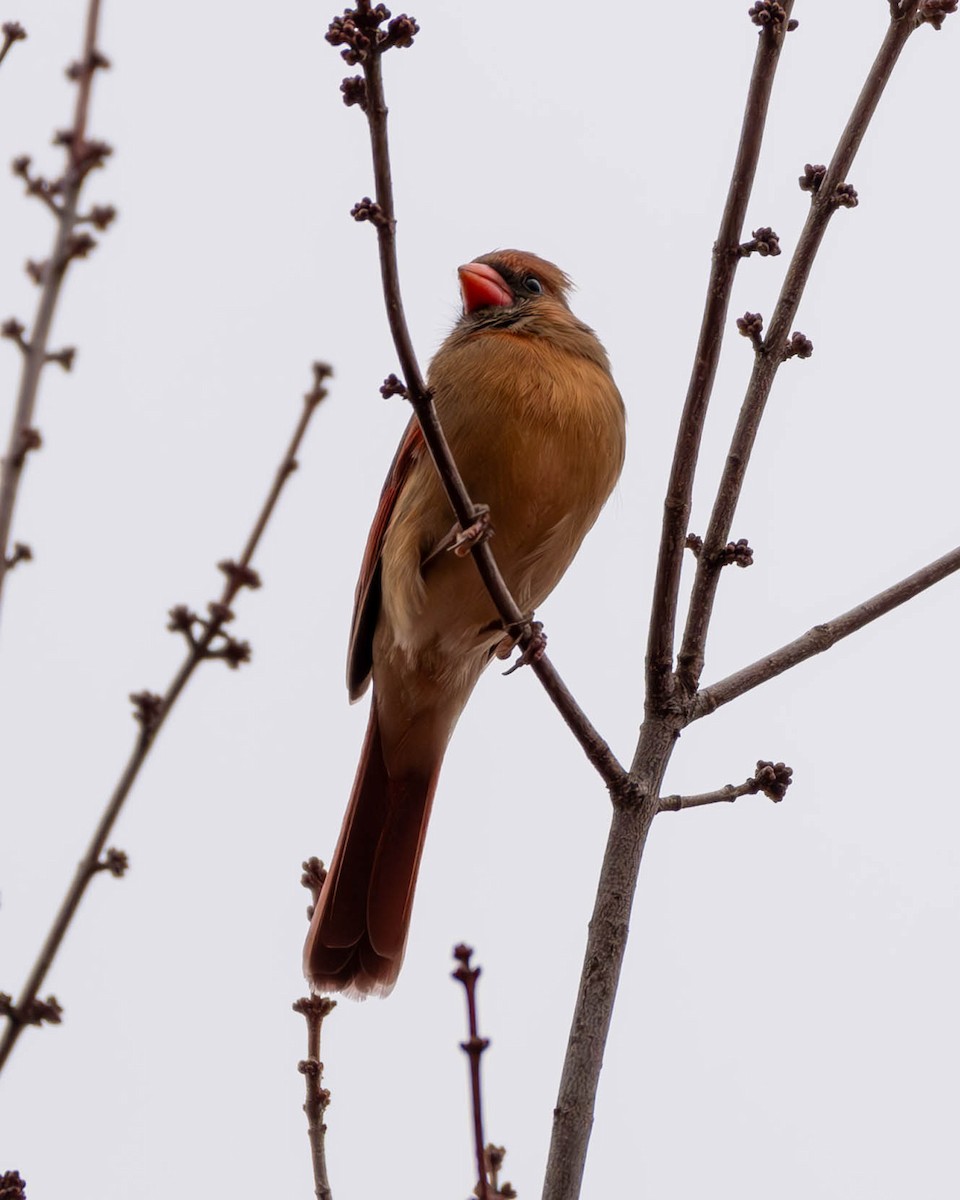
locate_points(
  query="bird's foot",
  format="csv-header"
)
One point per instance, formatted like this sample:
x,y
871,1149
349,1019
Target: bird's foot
x,y
531,653
461,541
464,540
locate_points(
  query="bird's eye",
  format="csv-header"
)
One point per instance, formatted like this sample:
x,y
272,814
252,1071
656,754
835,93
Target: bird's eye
x,y
532,284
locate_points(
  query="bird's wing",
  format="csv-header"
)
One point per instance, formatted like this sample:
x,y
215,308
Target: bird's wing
x,y
366,605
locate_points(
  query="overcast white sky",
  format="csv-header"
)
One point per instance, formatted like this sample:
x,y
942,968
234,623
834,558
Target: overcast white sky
x,y
786,1025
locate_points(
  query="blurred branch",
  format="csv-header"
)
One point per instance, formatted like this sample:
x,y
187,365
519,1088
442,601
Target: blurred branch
x,y
822,637
828,192
206,639
12,32
359,31
62,197
727,252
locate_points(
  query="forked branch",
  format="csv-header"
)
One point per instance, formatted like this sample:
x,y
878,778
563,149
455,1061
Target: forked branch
x,y
829,191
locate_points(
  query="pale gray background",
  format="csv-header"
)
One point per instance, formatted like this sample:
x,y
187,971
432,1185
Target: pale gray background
x,y
786,1025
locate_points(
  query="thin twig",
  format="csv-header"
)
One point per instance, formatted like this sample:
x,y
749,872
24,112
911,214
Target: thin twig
x,y
771,778
725,795
314,1009
822,637
151,712
12,32
359,30
829,191
474,1047
82,157
726,257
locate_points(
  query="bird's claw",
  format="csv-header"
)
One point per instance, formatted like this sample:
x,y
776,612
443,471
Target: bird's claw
x,y
531,653
481,529
462,541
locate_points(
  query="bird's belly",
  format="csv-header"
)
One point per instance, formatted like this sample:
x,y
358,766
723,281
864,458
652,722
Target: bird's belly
x,y
440,615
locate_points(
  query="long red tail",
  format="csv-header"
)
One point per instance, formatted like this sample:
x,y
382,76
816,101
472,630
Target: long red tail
x,y
359,929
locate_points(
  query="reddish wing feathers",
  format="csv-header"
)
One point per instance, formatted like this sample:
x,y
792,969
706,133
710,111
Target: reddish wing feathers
x,y
366,605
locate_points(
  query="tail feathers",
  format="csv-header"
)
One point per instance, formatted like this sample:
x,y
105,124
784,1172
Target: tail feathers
x,y
359,929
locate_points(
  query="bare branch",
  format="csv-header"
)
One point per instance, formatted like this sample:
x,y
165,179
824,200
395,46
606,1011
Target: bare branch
x,y
150,712
62,197
366,43
829,191
727,252
822,637
315,1009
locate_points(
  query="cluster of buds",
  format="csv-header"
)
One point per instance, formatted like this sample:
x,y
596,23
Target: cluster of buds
x,y
86,154
37,1012
12,1186
368,210
769,14
354,89
147,710
392,386
202,632
493,1156
799,346
738,553
750,326
14,330
812,177
359,31
846,196
935,12
28,439
115,862
773,779
21,553
93,62
12,31
763,242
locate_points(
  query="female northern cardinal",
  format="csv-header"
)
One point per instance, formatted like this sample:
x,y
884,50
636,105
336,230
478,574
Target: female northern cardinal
x,y
536,425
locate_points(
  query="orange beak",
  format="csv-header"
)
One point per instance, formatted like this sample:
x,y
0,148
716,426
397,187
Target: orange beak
x,y
482,287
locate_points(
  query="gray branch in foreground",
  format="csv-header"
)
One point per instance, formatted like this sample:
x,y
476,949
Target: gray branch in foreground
x,y
822,637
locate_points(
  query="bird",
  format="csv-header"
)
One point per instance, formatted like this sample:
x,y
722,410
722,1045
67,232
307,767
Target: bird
x,y
536,425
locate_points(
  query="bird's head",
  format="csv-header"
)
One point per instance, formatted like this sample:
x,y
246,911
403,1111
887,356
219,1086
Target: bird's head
x,y
502,288
517,293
